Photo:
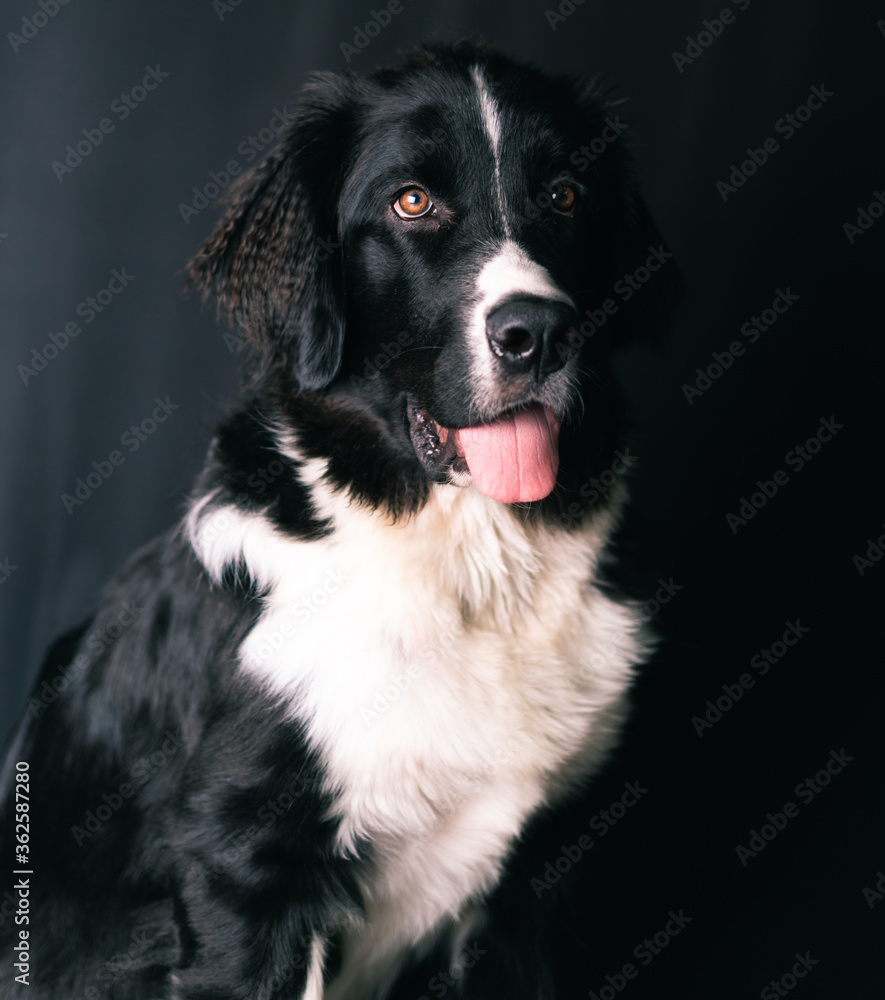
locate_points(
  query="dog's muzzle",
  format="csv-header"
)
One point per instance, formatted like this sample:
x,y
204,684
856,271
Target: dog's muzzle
x,y
513,456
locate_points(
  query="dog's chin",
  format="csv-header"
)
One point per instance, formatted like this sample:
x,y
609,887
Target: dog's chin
x,y
512,459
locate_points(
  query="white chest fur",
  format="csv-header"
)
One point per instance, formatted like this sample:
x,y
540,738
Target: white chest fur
x,y
454,671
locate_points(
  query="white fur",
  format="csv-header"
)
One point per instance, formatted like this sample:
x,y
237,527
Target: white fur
x,y
455,671
509,273
313,989
492,124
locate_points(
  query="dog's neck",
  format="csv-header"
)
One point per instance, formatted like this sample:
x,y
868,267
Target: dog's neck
x,y
461,550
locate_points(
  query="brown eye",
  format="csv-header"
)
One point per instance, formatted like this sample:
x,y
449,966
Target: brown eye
x,y
564,200
412,203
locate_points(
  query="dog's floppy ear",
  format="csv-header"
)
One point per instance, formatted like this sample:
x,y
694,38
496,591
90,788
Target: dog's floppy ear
x,y
645,276
274,259
631,263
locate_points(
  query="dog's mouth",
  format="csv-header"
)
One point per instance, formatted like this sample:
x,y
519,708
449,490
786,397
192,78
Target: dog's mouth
x,y
512,459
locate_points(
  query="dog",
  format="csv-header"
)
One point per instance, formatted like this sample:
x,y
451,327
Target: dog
x,y
298,746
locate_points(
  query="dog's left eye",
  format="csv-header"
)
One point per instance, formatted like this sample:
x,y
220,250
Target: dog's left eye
x,y
564,199
412,203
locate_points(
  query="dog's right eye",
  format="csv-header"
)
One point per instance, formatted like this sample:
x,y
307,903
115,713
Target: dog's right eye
x,y
412,203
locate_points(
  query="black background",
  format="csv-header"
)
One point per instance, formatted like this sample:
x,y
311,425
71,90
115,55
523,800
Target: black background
x,y
228,69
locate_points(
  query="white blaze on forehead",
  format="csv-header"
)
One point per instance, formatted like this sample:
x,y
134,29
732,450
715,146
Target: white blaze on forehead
x,y
511,272
492,124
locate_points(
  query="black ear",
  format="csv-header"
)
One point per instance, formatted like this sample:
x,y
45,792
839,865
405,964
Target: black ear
x,y
274,260
646,279
631,263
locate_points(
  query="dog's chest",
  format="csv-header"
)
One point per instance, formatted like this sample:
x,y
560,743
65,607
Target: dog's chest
x,y
453,673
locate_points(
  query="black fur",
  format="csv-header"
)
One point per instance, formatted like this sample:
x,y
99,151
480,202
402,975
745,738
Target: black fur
x,y
215,862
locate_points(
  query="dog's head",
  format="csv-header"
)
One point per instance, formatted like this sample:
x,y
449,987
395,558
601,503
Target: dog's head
x,y
456,245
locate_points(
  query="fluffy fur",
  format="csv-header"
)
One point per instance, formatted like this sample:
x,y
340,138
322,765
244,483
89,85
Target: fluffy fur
x,y
300,743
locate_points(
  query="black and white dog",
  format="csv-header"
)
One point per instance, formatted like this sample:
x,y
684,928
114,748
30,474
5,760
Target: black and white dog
x,y
297,746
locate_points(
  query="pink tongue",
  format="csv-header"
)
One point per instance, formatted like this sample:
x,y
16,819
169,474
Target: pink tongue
x,y
514,459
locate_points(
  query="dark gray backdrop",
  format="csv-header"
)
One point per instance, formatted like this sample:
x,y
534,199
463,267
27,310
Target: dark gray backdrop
x,y
219,71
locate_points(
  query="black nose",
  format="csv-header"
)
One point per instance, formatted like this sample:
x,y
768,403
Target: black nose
x,y
528,333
